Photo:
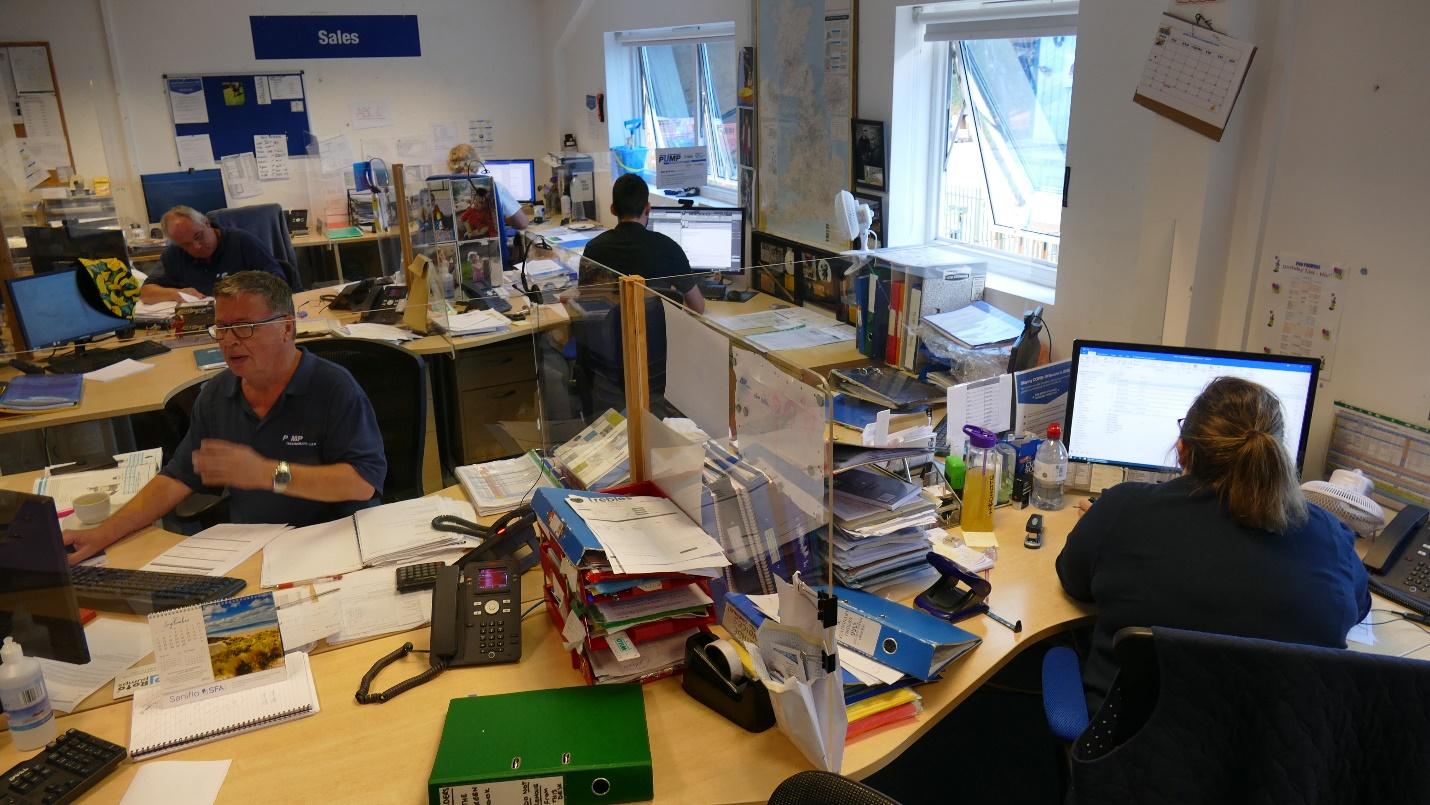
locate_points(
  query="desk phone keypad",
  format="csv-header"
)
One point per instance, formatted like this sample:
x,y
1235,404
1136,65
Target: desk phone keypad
x,y
68,766
497,627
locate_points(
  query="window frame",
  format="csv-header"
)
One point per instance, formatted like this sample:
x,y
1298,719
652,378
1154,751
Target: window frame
x,y
943,26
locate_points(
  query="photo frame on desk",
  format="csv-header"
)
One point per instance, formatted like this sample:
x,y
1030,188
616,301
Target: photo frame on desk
x,y
871,155
876,205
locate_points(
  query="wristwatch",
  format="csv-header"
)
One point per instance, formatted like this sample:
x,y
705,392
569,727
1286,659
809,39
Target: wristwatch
x,y
282,476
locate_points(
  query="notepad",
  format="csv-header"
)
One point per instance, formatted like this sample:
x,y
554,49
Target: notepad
x,y
159,726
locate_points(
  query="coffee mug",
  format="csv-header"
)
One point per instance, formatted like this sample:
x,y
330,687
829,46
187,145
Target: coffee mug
x,y
92,508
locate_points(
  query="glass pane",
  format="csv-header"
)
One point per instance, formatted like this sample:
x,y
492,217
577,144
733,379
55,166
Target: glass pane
x,y
721,78
672,93
1006,142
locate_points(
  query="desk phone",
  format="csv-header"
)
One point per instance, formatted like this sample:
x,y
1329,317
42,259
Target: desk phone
x,y
476,614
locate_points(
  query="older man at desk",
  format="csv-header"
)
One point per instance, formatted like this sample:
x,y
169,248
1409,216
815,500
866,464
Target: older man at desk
x,y
199,254
291,436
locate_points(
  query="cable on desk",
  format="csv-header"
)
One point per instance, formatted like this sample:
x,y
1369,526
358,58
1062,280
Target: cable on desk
x,y
525,613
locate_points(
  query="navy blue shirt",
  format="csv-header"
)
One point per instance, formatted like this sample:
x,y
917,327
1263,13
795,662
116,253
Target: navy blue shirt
x,y
236,251
630,248
322,417
1168,555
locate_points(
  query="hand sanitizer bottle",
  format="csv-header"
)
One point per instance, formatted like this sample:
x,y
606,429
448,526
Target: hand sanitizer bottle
x,y
25,699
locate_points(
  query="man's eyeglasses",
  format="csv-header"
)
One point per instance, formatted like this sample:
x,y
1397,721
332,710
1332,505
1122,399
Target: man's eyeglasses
x,y
243,330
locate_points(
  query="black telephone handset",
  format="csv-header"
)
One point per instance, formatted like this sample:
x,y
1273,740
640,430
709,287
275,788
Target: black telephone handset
x,y
359,296
1399,561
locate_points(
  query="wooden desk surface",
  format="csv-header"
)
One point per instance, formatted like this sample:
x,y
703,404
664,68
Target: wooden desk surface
x,y
346,752
817,359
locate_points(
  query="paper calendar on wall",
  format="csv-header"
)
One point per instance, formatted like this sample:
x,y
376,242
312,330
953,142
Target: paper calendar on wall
x,y
1193,75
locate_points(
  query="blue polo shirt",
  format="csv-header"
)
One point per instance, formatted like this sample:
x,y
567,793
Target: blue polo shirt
x,y
322,417
236,251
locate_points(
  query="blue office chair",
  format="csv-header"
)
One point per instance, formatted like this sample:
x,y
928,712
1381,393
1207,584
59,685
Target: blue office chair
x,y
267,223
600,362
1199,717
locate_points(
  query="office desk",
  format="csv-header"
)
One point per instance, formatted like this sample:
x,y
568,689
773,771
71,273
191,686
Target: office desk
x,y
383,753
334,245
817,359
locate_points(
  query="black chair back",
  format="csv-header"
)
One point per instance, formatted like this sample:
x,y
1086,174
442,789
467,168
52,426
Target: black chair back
x,y
1197,717
395,381
826,788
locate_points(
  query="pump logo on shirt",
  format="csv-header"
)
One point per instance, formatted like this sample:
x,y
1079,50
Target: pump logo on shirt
x,y
296,440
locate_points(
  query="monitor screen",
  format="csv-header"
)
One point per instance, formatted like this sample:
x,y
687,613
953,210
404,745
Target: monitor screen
x,y
60,307
713,239
517,176
52,247
37,602
1125,399
202,190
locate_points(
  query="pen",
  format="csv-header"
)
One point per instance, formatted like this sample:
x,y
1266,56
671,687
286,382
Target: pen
x,y
1016,626
288,585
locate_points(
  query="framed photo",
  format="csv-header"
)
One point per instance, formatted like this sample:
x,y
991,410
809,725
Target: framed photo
x,y
773,270
747,193
876,205
871,155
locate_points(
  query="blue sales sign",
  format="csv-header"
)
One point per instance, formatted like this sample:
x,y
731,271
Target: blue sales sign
x,y
335,36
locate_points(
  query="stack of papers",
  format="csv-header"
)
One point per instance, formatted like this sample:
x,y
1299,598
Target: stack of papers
x,y
216,550
886,386
379,332
114,646
648,535
31,393
500,486
152,312
810,335
880,538
121,482
477,322
976,325
115,371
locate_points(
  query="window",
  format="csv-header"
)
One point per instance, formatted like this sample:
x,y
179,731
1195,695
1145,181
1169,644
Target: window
x,y
684,95
1005,146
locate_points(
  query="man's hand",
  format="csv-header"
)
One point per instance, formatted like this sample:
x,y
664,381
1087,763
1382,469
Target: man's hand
x,y
239,466
87,542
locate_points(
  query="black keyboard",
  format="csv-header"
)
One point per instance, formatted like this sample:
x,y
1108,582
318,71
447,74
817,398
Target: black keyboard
x,y
113,589
92,359
70,765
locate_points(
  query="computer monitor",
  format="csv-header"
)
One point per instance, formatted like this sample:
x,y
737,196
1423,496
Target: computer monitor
x,y
1125,399
37,602
202,190
52,247
60,307
712,238
516,175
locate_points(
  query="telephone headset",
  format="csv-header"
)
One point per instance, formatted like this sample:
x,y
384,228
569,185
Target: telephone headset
x,y
476,602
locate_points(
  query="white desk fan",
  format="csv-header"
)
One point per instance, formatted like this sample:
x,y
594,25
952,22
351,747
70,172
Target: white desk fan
x,y
1346,496
856,220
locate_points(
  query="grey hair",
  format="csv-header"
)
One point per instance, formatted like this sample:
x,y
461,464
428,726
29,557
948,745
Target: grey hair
x,y
183,211
274,291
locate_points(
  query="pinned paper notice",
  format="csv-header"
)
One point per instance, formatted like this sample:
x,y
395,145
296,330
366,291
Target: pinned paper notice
x,y
271,151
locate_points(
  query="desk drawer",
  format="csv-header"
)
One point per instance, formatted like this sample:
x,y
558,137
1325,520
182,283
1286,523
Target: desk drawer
x,y
483,412
495,366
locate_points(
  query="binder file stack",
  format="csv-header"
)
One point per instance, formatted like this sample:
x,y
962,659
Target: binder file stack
x,y
577,746
902,287
879,530
621,624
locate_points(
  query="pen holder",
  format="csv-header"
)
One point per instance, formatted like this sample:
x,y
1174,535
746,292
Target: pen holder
x,y
743,701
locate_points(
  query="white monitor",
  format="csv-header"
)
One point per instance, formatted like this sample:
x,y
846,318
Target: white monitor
x,y
1125,399
517,176
712,238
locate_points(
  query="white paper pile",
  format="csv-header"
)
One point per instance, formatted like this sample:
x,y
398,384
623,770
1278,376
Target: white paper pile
x,y
648,535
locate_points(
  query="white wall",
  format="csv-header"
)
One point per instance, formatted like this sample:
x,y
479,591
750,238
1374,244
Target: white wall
x,y
574,33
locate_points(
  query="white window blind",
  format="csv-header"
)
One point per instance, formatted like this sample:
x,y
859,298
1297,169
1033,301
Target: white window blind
x,y
995,19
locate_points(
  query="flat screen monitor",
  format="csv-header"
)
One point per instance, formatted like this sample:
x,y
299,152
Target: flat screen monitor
x,y
60,307
37,602
1125,399
202,190
52,247
712,238
516,175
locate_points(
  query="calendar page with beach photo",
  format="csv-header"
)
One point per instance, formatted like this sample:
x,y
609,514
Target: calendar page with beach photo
x,y
218,647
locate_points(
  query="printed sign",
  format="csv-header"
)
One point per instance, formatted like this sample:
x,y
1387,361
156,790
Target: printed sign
x,y
335,36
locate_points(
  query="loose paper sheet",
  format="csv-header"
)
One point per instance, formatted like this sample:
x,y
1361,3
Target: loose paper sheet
x,y
176,782
271,151
31,68
216,550
42,116
114,645
186,101
369,113
195,151
414,150
286,88
335,153
986,403
1303,301
445,134
240,175
699,383
482,134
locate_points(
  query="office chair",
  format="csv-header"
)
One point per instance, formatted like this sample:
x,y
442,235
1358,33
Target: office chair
x,y
601,365
826,788
267,223
1198,717
200,508
395,381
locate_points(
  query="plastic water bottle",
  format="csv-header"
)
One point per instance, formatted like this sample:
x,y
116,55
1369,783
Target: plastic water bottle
x,y
25,699
1050,470
980,480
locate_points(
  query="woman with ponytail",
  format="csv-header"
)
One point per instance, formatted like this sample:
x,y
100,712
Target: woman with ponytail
x,y
1231,546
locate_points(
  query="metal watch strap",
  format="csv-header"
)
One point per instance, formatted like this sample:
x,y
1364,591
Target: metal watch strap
x,y
282,476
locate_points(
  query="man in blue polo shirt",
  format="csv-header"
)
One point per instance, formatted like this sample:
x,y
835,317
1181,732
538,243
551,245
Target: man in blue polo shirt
x,y
200,254
291,436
